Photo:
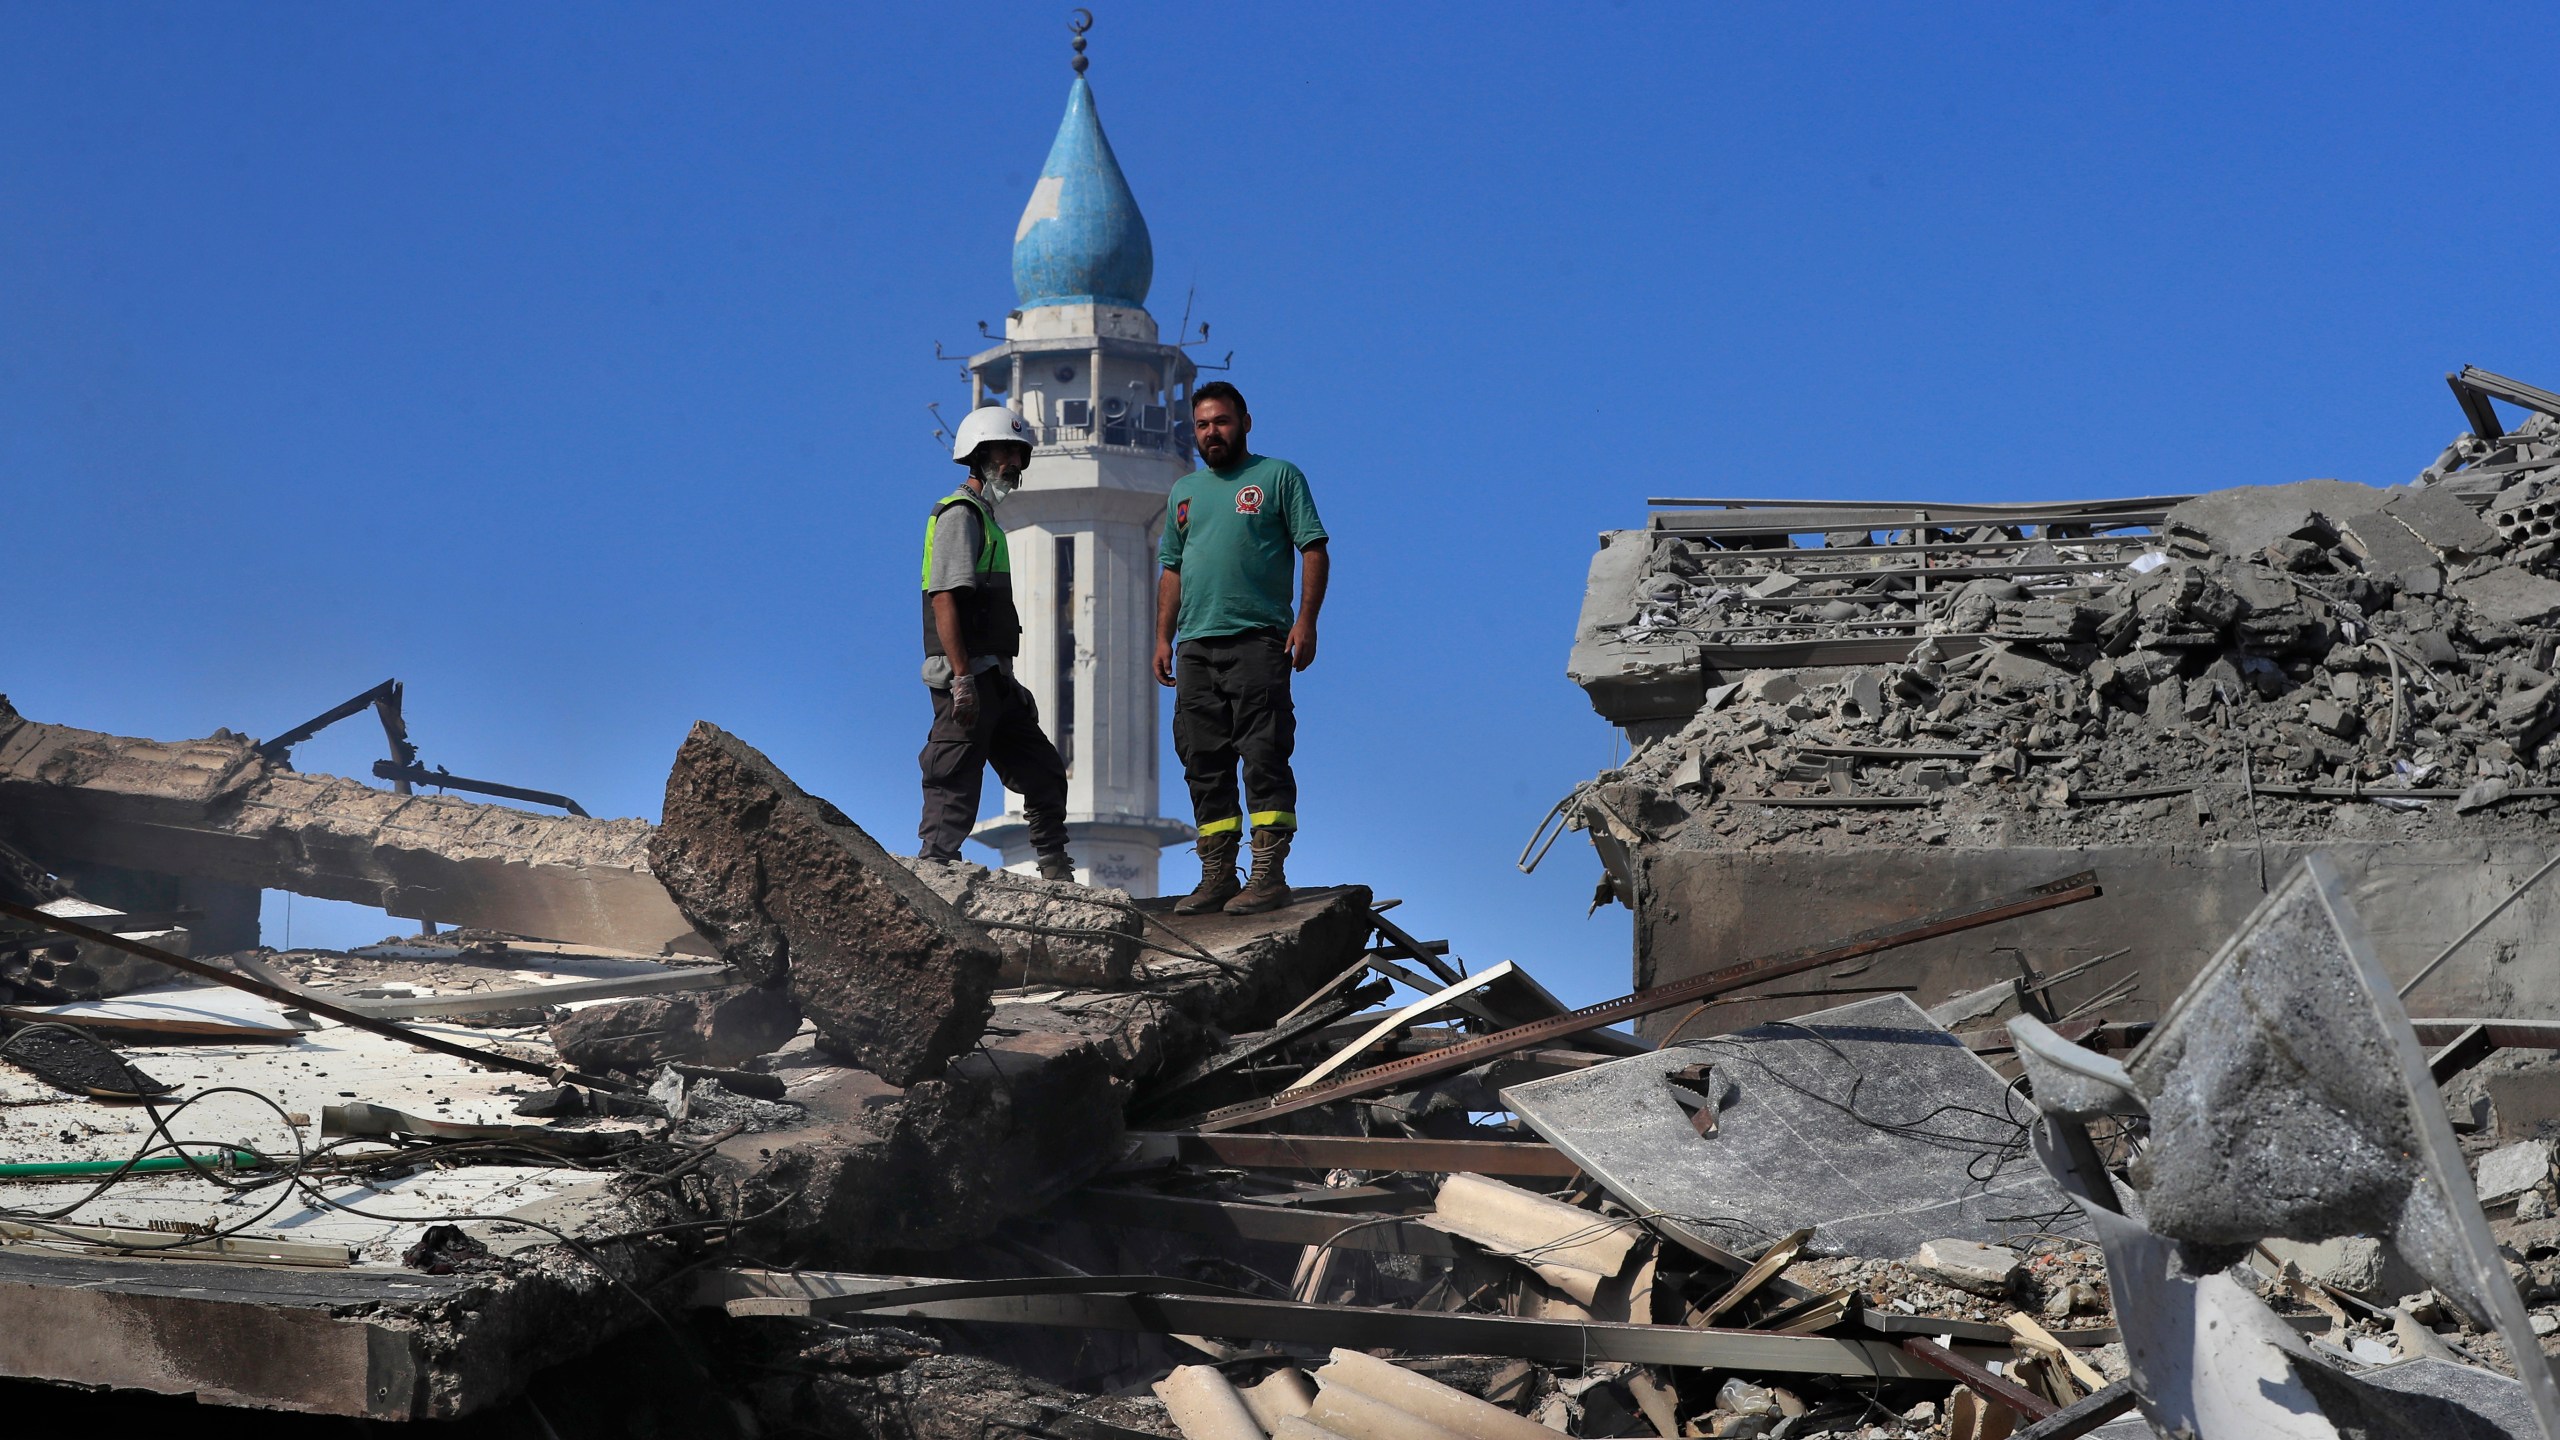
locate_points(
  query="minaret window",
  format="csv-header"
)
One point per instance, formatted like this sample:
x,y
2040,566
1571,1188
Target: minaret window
x,y
1066,697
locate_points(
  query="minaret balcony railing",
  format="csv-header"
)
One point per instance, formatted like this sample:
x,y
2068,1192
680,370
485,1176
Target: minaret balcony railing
x,y
1111,437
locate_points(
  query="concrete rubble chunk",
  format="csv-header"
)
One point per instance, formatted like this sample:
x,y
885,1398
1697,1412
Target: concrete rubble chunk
x,y
2387,546
1052,932
793,892
1969,1265
2357,1264
714,1027
2248,518
2014,669
2511,1170
2443,522
2510,596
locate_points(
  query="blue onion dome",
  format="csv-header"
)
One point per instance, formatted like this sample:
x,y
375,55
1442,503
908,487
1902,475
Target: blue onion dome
x,y
1082,240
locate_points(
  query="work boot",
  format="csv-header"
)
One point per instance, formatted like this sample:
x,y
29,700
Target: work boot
x,y
1217,874
1268,887
1058,866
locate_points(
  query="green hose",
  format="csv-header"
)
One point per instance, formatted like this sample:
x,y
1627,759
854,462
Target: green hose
x,y
240,1160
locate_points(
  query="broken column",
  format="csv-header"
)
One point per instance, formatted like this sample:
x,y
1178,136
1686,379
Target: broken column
x,y
794,893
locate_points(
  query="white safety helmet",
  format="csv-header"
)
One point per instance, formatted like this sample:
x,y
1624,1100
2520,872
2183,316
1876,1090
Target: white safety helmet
x,y
988,423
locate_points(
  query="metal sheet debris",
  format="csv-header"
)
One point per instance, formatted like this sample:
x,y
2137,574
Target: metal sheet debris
x,y
1867,1122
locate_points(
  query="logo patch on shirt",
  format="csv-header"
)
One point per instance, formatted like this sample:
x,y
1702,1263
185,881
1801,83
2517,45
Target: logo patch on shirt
x,y
1182,515
1249,500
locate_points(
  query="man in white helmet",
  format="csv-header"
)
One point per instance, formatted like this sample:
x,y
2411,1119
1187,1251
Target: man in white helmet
x,y
981,717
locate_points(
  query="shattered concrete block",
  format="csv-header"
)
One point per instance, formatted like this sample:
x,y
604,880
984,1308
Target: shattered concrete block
x,y
2522,712
2510,596
2386,546
1771,687
1051,931
792,891
2011,668
716,1027
2249,518
2357,1264
2137,671
2511,1170
1979,602
2526,1102
2327,714
1864,693
2444,522
1968,1265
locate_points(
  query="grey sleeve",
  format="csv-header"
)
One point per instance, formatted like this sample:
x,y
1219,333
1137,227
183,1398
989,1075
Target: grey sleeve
x,y
955,550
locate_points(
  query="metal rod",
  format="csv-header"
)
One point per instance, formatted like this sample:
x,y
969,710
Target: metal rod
x,y
275,749
444,779
1449,974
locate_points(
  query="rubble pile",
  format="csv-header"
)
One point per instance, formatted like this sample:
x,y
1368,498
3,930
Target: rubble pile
x,y
740,1125
2259,658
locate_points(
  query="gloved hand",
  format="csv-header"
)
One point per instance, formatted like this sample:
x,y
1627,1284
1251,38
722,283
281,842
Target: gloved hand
x,y
964,701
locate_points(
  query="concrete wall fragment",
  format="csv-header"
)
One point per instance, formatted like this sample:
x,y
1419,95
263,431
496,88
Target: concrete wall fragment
x,y
793,892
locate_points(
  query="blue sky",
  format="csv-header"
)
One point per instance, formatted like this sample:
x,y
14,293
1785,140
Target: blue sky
x,y
569,362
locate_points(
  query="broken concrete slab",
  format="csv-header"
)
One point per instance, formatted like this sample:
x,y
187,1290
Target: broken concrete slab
x,y
792,892
2445,523
2509,1171
1807,1133
215,810
2357,1264
1034,1109
1969,1265
2281,1102
2476,1404
2248,518
2510,596
2387,546
721,1027
1052,932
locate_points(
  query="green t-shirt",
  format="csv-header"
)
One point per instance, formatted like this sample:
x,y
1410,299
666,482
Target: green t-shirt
x,y
1233,536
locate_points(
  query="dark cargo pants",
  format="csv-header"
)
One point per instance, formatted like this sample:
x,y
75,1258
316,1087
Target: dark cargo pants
x,y
1007,736
1231,711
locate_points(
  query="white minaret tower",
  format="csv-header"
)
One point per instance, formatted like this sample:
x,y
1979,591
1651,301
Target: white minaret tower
x,y
1110,406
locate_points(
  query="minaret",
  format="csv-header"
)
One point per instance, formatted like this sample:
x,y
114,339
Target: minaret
x,y
1111,409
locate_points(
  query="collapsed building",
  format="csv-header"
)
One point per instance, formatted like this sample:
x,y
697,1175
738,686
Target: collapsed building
x,y
2070,1090
1869,707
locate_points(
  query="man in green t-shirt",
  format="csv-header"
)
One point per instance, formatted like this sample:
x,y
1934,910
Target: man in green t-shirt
x,y
1230,530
